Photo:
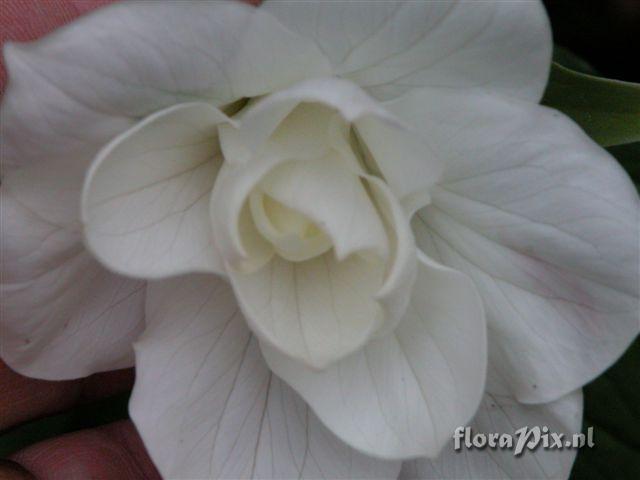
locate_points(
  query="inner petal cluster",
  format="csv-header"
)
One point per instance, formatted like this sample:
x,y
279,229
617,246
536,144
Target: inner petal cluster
x,y
310,237
314,198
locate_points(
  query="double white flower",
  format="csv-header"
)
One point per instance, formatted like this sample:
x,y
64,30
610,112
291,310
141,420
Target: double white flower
x,y
361,195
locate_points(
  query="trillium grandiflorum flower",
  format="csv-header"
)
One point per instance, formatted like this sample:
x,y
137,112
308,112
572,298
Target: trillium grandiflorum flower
x,y
331,232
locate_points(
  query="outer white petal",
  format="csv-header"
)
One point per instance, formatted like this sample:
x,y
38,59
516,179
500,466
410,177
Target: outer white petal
x,y
62,316
207,406
546,223
391,47
145,203
499,414
86,81
403,395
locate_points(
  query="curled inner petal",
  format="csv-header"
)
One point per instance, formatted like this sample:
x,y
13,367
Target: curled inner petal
x,y
293,235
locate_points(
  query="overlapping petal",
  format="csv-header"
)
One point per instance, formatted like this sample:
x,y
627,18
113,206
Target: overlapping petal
x,y
207,406
398,151
315,311
402,395
62,314
393,47
546,223
402,265
504,415
145,205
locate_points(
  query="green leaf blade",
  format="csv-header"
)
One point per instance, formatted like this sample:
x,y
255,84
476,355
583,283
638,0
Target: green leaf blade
x,y
608,110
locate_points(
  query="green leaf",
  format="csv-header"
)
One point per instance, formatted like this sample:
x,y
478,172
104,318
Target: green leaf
x,y
570,60
612,408
608,110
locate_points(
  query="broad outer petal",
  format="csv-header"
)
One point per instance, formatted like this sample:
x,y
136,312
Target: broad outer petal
x,y
207,406
145,202
63,316
503,414
546,224
85,81
393,47
402,395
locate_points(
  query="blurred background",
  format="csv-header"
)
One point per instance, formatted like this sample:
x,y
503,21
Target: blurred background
x,y
606,33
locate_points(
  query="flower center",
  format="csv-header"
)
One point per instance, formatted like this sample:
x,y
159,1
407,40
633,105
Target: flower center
x,y
293,235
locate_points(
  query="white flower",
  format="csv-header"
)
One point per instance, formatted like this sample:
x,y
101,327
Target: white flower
x,y
342,189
